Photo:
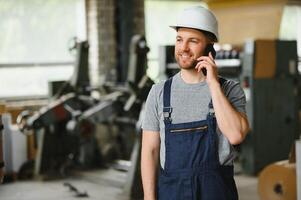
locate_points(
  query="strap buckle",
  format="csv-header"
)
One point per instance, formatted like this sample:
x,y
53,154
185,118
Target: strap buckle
x,y
167,113
211,109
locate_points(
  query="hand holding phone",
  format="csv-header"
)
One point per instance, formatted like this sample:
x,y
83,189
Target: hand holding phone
x,y
209,48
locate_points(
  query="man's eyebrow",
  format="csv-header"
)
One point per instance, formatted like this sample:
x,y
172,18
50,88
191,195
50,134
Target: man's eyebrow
x,y
194,38
191,38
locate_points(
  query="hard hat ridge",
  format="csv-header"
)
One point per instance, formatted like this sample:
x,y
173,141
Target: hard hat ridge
x,y
198,17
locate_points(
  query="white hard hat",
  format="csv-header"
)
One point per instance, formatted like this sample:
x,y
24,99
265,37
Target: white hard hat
x,y
198,17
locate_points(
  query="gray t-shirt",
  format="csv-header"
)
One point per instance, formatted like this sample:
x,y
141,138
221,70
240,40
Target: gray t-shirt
x,y
190,103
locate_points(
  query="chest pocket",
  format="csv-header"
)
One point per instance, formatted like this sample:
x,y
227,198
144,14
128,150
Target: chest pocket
x,y
186,145
189,130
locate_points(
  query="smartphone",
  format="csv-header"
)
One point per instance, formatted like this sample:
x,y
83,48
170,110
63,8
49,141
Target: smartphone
x,y
209,48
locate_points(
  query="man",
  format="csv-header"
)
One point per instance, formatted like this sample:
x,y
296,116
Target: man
x,y
192,120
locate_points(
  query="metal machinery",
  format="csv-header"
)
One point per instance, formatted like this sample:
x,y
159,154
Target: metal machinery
x,y
59,148
270,81
65,129
228,62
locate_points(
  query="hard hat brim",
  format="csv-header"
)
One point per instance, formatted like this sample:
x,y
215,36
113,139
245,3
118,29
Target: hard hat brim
x,y
197,28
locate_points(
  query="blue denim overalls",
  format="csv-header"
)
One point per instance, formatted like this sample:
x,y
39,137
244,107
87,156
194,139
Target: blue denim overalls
x,y
192,170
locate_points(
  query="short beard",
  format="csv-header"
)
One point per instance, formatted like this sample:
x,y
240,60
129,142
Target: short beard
x,y
191,66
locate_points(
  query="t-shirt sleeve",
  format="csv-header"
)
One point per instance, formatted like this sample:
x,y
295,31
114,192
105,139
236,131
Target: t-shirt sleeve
x,y
150,120
236,95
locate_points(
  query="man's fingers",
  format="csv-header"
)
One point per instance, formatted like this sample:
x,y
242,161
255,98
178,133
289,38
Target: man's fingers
x,y
202,64
207,58
210,56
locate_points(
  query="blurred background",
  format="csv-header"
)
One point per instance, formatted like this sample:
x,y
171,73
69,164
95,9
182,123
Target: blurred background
x,y
74,76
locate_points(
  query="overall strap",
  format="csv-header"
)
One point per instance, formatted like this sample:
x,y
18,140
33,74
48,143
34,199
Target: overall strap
x,y
167,109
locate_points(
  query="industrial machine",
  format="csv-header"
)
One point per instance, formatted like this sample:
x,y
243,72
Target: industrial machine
x,y
66,129
80,81
270,81
59,147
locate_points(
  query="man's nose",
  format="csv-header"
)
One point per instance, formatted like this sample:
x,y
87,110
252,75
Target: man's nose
x,y
185,46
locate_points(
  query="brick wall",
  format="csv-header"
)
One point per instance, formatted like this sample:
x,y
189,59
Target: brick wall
x,y
139,27
102,36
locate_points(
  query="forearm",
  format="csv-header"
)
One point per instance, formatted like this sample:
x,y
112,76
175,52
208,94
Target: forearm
x,y
149,163
231,123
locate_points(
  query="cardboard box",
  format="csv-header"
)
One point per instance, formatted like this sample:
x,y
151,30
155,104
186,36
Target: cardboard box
x,y
265,59
2,108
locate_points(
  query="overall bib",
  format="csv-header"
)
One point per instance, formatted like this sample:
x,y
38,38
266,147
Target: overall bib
x,y
192,170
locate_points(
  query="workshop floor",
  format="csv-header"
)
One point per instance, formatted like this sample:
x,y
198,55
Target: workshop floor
x,y
99,185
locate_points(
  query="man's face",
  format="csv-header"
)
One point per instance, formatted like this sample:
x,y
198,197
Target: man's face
x,y
190,45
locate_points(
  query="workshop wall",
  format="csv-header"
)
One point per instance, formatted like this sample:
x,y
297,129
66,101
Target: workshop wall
x,y
109,38
101,36
241,20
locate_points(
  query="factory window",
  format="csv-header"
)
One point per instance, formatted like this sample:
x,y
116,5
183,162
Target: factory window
x,y
159,15
290,27
34,44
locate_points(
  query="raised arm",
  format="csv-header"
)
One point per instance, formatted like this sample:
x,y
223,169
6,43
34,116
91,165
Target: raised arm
x,y
233,124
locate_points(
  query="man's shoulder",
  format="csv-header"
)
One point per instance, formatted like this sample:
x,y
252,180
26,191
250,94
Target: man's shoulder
x,y
228,83
232,87
159,85
157,88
